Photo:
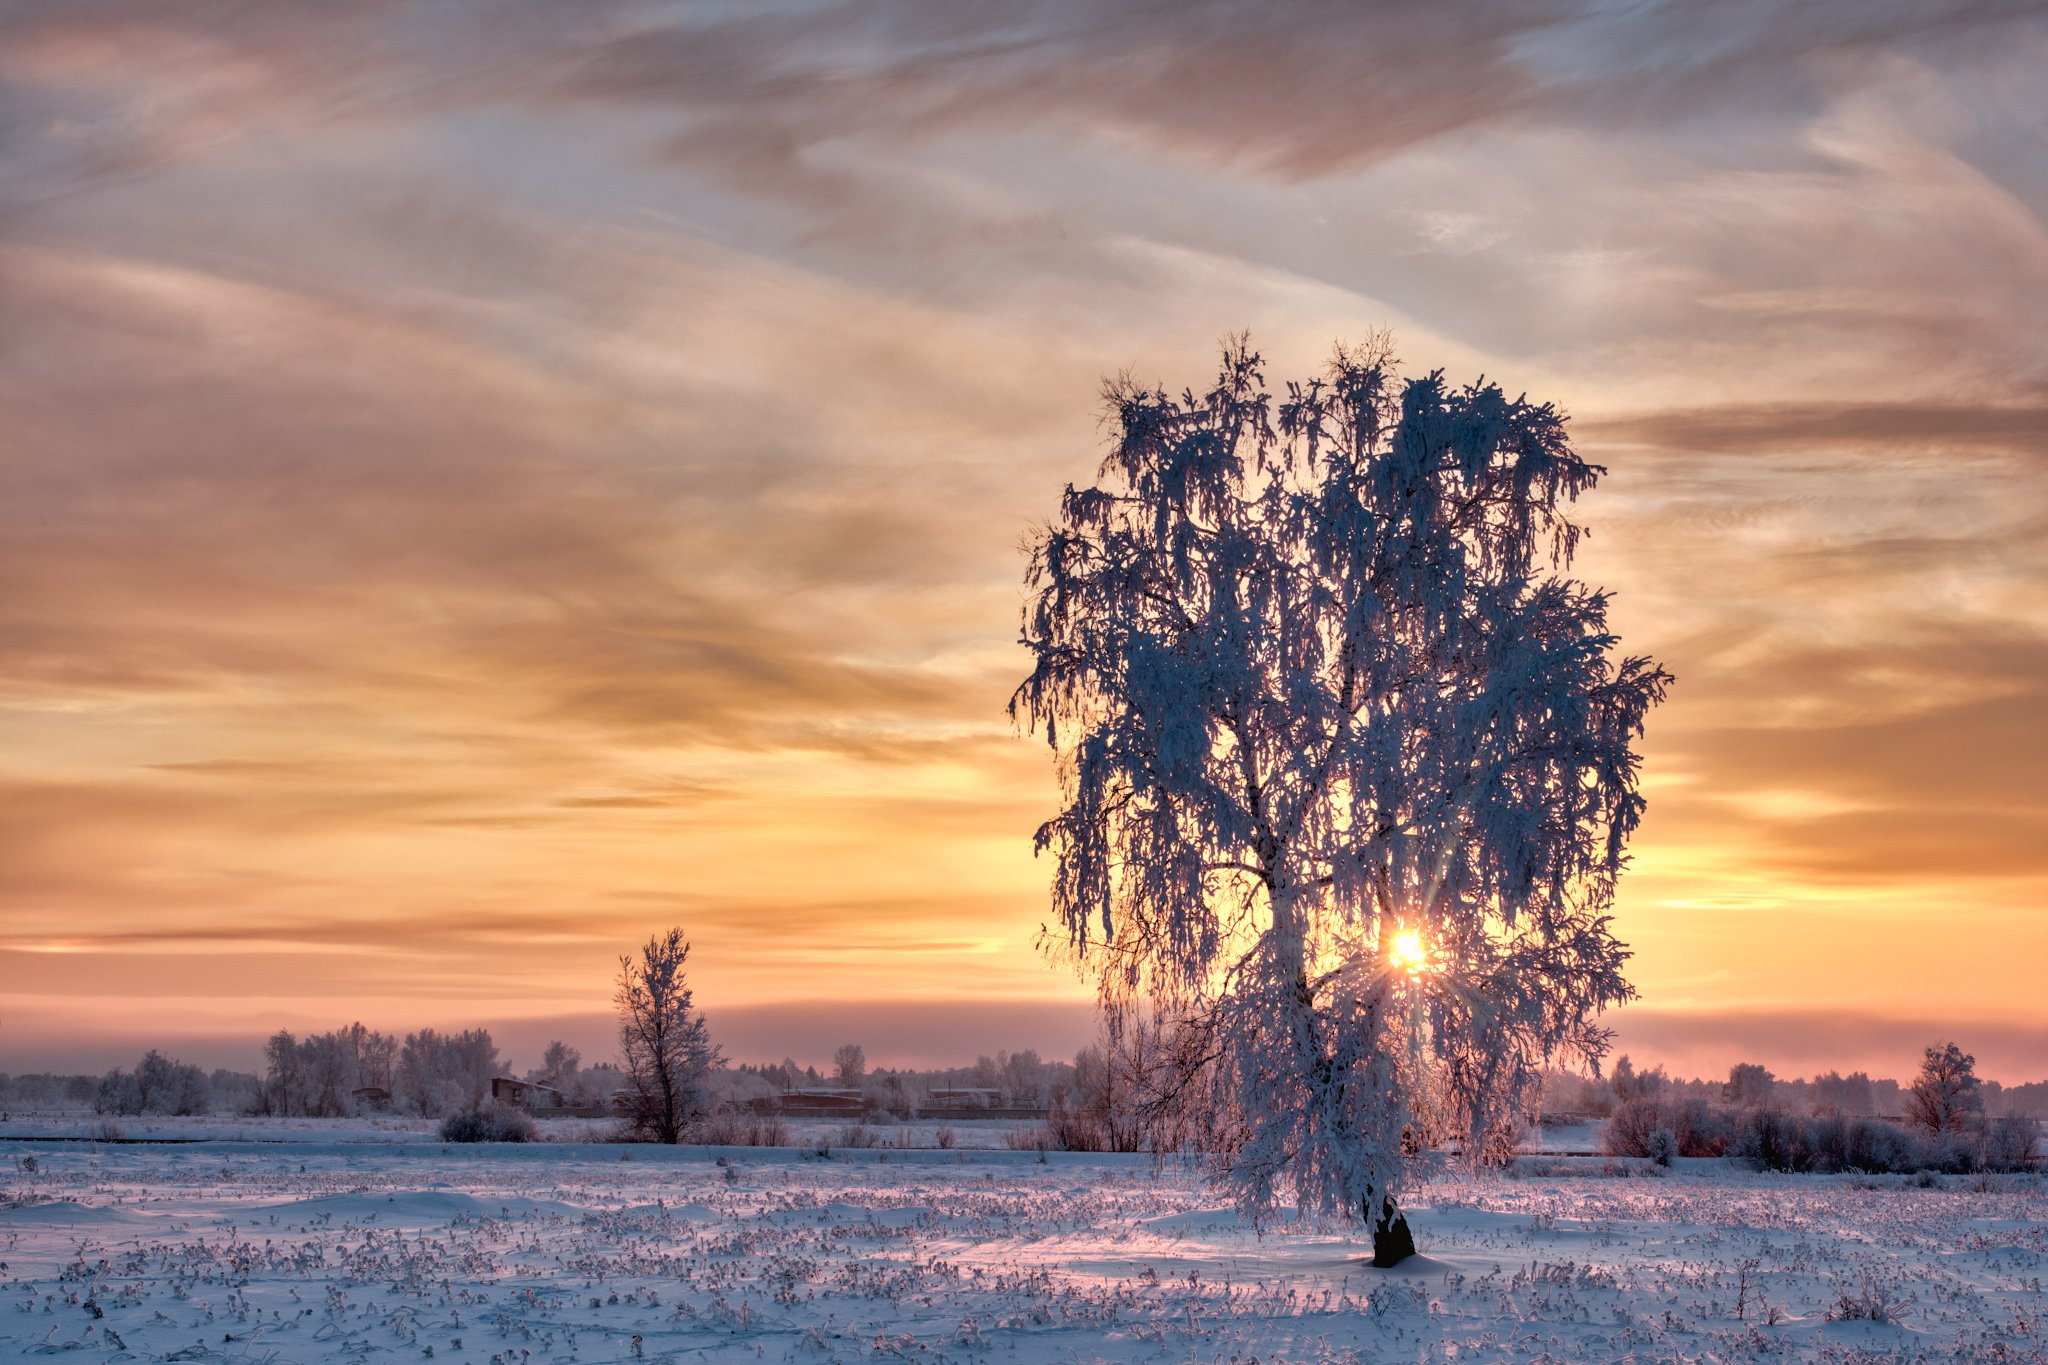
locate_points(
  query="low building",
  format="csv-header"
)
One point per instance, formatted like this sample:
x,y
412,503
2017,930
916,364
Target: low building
x,y
518,1094
965,1097
814,1104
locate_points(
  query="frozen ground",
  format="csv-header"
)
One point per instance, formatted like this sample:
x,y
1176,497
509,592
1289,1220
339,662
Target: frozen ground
x,y
325,1251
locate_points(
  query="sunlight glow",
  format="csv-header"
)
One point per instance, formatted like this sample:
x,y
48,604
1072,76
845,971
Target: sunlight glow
x,y
1409,952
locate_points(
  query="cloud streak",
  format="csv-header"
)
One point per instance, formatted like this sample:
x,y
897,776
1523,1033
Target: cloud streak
x,y
480,483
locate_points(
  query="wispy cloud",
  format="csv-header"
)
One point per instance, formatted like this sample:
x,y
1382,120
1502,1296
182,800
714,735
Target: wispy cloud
x,y
481,480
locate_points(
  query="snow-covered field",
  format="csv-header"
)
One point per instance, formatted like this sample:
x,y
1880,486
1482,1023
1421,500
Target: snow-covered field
x,y
986,1134
322,1251
395,1128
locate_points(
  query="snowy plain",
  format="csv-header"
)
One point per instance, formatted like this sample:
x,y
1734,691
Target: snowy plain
x,y
319,1249
71,1125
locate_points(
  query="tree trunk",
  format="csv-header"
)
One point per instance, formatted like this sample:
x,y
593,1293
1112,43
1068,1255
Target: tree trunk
x,y
1392,1242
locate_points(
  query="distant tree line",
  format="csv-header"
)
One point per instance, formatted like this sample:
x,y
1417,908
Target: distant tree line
x,y
1945,1127
357,1069
157,1085
1020,1079
1125,1092
1751,1084
339,1074
428,1073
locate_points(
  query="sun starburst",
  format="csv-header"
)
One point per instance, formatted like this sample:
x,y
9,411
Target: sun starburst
x,y
1409,952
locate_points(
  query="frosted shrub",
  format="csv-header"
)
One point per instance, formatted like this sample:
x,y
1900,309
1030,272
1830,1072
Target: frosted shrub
x,y
1703,1129
2012,1143
856,1135
1663,1146
1697,1127
722,1128
1075,1130
1827,1137
1959,1152
1871,1301
489,1125
1773,1139
1630,1127
1877,1146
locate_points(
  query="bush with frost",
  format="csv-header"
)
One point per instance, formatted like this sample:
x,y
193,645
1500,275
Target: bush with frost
x,y
489,1125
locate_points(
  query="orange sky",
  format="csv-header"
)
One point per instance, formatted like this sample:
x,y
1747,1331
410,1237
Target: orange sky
x,y
484,483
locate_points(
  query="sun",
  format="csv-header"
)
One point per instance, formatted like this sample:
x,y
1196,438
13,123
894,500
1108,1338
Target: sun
x,y
1409,952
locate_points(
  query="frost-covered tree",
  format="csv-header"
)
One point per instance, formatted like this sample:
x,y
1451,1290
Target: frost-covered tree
x,y
283,1092
668,1050
1945,1096
1024,1076
319,1074
560,1060
849,1064
370,1055
471,1061
1631,1084
1347,761
436,1074
119,1093
1839,1094
1749,1084
167,1086
557,1065
418,1080
327,1073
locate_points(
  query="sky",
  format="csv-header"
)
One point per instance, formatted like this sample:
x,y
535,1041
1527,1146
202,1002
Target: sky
x,y
481,483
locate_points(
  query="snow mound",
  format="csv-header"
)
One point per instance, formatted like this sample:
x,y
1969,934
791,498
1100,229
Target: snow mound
x,y
696,1213
61,1211
1208,1220
413,1207
905,1216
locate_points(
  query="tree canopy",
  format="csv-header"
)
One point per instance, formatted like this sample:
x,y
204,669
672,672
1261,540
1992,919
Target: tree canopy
x,y
1347,762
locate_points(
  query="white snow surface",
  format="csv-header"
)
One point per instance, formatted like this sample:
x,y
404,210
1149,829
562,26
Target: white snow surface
x,y
322,1251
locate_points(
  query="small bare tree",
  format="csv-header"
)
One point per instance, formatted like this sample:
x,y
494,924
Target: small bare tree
x,y
1131,1087
668,1051
851,1063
